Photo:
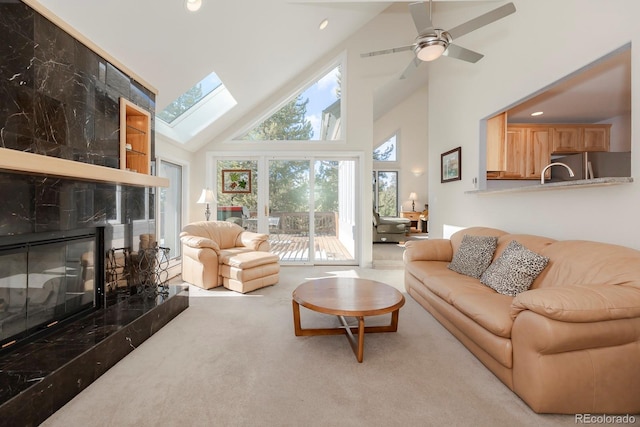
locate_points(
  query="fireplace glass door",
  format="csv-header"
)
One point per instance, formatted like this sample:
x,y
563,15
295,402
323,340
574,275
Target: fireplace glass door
x,y
43,283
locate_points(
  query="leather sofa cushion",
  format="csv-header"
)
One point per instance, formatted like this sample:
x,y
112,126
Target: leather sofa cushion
x,y
247,274
247,260
585,303
427,250
446,283
489,310
575,262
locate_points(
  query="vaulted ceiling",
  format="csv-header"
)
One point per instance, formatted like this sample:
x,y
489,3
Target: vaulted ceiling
x,y
255,46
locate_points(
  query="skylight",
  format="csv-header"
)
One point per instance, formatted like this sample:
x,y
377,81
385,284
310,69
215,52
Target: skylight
x,y
195,109
190,98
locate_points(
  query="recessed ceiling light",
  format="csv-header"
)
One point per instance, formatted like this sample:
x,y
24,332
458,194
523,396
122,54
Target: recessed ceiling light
x,y
537,113
323,24
193,5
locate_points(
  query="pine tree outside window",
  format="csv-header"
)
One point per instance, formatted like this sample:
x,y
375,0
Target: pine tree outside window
x,y
190,98
313,114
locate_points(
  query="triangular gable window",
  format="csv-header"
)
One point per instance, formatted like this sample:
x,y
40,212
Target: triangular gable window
x,y
313,114
387,151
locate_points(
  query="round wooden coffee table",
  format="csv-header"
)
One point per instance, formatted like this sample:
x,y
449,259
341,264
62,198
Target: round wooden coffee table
x,y
352,297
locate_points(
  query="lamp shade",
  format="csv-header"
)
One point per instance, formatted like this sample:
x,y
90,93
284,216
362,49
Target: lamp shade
x,y
207,196
193,5
413,196
432,51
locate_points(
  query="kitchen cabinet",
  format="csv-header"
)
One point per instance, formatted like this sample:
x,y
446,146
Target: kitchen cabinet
x,y
496,142
135,138
527,152
580,138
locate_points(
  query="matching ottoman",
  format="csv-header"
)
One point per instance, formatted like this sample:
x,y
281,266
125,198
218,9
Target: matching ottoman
x,y
247,271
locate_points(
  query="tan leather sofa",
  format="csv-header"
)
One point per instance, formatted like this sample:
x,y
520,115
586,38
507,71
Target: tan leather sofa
x,y
570,344
216,253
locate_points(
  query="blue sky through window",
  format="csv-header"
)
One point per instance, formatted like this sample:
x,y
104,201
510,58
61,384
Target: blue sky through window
x,y
321,95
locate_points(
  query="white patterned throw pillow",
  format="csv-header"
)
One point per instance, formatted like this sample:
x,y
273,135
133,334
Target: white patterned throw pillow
x,y
514,270
474,255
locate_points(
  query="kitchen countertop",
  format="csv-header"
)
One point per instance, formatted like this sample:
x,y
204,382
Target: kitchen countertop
x,y
580,183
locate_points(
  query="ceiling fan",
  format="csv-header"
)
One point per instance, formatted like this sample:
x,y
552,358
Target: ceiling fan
x,y
431,42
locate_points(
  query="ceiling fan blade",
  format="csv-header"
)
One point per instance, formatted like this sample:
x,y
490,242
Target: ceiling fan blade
x,y
421,17
458,52
482,20
386,51
415,63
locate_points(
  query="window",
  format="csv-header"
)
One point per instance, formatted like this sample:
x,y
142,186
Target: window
x,y
313,114
171,209
385,192
190,98
387,151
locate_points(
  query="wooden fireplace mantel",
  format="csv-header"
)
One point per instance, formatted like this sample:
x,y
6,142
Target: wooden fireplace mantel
x,y
22,162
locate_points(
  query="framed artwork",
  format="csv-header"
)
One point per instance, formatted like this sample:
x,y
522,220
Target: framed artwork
x,y
451,165
236,181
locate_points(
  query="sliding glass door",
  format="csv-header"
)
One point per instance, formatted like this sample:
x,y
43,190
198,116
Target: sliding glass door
x,y
308,206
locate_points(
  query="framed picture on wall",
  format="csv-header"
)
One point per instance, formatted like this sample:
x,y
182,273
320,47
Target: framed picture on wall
x,y
451,165
236,181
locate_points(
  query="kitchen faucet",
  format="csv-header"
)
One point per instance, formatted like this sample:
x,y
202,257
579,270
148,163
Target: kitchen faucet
x,y
554,164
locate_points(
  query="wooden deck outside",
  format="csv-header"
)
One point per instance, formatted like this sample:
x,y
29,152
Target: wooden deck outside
x,y
295,248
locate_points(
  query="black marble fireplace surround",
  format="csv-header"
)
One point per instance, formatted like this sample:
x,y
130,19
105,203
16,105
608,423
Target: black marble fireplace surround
x,y
58,98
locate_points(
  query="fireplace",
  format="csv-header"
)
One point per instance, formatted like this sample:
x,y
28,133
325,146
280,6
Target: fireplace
x,y
46,279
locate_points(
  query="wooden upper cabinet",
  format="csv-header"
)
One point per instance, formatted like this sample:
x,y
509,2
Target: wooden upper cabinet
x,y
580,138
596,138
496,143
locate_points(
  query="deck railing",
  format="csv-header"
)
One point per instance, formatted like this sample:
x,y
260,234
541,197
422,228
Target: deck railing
x,y
297,223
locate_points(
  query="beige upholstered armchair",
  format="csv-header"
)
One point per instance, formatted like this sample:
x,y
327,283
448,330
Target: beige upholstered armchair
x,y
216,253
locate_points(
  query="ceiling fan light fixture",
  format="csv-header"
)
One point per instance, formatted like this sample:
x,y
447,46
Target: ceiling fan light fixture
x,y
431,50
193,5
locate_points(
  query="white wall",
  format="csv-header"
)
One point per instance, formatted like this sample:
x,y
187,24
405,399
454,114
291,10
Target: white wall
x,y
542,42
409,119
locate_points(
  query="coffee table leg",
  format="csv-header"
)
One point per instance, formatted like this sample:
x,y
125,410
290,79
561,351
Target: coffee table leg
x,y
360,354
357,347
296,318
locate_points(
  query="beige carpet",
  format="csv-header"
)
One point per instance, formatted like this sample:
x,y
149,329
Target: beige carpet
x,y
388,255
233,360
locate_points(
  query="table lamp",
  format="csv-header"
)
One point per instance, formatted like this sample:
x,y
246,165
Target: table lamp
x,y
413,197
207,197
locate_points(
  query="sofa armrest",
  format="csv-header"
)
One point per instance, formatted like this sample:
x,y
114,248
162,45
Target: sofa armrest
x,y
589,303
198,242
255,241
428,250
